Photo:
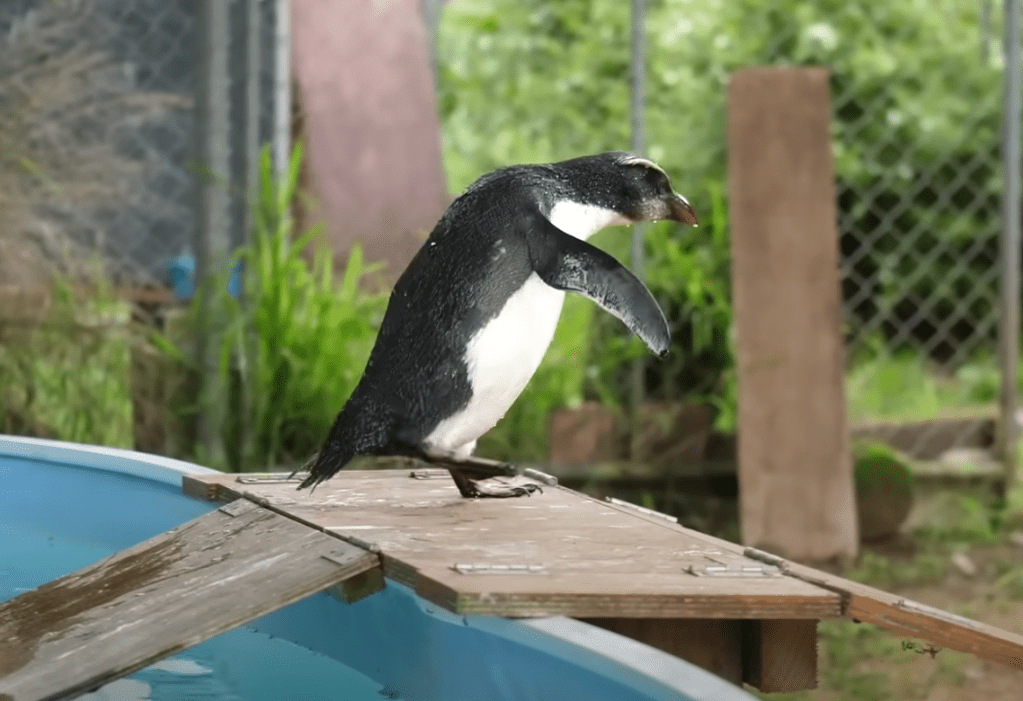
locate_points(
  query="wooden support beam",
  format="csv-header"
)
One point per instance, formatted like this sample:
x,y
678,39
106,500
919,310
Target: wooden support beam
x,y
371,129
779,654
795,473
772,655
713,644
173,591
903,616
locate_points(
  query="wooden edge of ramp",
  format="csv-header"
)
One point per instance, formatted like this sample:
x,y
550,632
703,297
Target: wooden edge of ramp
x,y
166,594
897,614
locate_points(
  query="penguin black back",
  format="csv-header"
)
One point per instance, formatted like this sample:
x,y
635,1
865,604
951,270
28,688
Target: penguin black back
x,y
469,319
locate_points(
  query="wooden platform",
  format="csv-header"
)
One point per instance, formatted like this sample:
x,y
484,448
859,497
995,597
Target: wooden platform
x,y
556,553
742,613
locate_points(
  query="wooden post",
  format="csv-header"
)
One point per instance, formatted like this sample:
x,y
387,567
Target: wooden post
x,y
795,473
711,643
780,655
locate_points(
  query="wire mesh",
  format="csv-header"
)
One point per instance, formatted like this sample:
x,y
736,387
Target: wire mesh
x,y
917,144
99,129
917,101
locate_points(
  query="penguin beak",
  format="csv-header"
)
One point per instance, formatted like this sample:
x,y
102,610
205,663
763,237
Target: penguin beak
x,y
680,210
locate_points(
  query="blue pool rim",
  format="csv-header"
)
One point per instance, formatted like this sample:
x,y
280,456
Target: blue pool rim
x,y
652,664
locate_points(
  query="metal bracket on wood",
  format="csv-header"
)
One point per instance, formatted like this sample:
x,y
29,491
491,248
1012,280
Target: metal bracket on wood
x,y
271,478
766,557
640,509
484,568
539,476
916,606
734,567
429,473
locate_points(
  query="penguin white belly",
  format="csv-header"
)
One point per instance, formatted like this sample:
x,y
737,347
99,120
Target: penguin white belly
x,y
501,357
505,353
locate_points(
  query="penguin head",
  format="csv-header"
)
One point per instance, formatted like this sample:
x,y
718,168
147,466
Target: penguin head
x,y
635,188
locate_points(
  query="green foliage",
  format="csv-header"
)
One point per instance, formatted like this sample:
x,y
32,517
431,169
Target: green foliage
x,y
529,80
1009,579
966,518
884,490
878,467
904,386
66,375
926,567
298,337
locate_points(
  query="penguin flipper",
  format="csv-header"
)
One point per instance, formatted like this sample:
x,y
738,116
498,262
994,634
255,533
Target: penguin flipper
x,y
567,263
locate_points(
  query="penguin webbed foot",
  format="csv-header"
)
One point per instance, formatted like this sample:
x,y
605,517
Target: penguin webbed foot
x,y
478,477
492,487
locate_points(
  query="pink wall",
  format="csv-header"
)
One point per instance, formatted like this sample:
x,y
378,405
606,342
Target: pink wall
x,y
372,134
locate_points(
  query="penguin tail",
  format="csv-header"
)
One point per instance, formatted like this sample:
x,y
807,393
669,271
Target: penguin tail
x,y
325,464
356,431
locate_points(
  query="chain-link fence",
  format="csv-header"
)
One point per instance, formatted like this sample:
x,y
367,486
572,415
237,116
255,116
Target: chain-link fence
x,y
129,133
919,199
98,113
917,108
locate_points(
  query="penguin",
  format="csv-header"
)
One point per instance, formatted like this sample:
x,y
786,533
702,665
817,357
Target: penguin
x,y
470,318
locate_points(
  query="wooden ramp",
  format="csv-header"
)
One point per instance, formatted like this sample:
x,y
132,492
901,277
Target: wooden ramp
x,y
164,595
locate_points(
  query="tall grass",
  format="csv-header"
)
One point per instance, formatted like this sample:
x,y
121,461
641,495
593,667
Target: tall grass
x,y
298,336
65,375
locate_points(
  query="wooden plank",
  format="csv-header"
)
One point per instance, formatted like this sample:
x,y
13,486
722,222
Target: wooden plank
x,y
588,558
712,644
161,596
903,616
780,655
795,474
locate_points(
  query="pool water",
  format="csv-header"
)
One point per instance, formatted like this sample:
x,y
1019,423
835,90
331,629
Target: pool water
x,y
240,665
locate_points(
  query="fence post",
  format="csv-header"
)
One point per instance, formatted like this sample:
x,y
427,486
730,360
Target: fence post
x,y
636,114
212,232
1010,244
282,87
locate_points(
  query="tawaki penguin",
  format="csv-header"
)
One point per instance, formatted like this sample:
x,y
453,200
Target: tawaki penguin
x,y
471,317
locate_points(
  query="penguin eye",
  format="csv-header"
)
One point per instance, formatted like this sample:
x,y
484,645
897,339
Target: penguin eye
x,y
660,182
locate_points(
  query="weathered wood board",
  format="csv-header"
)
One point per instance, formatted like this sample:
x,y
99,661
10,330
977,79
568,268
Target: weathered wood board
x,y
598,560
795,472
906,617
555,553
164,595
